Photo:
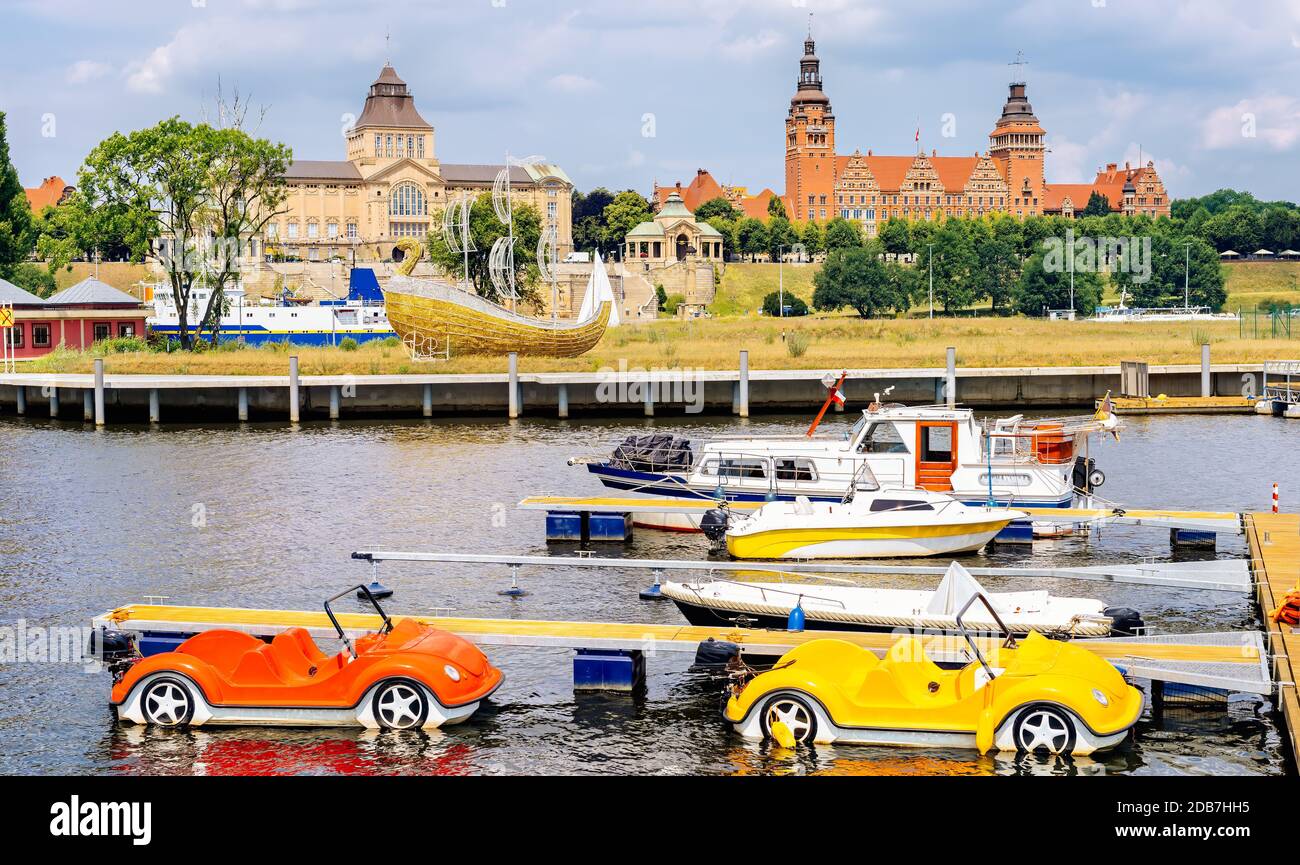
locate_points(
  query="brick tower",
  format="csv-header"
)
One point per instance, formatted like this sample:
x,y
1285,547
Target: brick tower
x,y
810,143
1016,145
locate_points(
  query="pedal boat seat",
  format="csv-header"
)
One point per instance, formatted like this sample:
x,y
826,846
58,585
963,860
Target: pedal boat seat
x,y
906,676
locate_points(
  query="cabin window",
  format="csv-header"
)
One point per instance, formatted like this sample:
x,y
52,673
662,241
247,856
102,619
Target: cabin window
x,y
126,329
936,444
102,331
882,438
900,505
736,468
795,469
16,335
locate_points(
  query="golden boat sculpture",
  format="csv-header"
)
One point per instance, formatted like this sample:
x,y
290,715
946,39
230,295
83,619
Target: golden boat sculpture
x,y
435,319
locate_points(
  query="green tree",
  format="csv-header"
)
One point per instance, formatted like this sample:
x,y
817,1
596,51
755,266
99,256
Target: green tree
x,y
1098,205
1171,262
485,229
718,208
1045,285
190,197
1237,228
1280,229
794,305
997,268
751,235
896,236
812,239
780,235
16,236
33,277
857,277
589,218
955,266
776,208
628,210
842,234
727,228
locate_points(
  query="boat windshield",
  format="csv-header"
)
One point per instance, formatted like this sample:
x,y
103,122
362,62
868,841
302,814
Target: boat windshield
x,y
882,438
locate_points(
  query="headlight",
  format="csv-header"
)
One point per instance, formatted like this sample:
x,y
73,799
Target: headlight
x,y
454,675
1100,697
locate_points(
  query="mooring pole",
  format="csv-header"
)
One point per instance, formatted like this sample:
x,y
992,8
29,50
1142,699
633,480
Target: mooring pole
x,y
334,402
99,391
426,406
293,389
21,398
562,400
155,411
1205,370
54,402
742,396
243,404
87,405
514,385
950,378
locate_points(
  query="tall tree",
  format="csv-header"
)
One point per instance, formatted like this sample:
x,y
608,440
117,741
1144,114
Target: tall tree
x,y
812,239
859,278
485,229
718,208
1045,285
1098,205
628,210
842,234
896,236
588,217
751,235
781,236
16,236
192,197
776,208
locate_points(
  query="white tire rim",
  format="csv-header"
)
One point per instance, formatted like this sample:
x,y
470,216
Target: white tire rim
x,y
166,703
794,714
1043,729
399,707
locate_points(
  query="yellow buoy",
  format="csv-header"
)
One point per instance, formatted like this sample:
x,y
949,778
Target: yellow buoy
x,y
781,733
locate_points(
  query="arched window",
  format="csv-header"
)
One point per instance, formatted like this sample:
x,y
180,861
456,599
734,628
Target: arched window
x,y
407,200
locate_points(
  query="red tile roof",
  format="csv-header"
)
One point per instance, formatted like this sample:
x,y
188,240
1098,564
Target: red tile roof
x,y
703,188
48,194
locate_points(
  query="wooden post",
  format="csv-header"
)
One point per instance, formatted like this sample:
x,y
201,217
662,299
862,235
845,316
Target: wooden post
x,y
87,405
427,405
155,412
514,385
334,402
243,404
293,389
562,398
99,391
1205,370
54,402
951,378
743,390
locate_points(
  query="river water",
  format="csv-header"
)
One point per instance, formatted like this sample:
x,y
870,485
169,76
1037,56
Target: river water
x,y
267,516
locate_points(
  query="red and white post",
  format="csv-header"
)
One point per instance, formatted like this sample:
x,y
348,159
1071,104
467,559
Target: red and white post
x,y
1274,498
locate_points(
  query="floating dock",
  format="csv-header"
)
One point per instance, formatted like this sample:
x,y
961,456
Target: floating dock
x,y
1275,548
1231,661
1128,406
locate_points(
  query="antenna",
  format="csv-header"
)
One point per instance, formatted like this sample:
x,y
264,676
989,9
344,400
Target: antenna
x,y
1020,63
810,17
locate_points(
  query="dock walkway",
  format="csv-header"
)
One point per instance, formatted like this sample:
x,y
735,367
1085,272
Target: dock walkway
x,y
1275,548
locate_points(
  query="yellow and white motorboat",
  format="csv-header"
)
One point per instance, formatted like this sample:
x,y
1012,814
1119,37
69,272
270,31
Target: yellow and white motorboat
x,y
870,525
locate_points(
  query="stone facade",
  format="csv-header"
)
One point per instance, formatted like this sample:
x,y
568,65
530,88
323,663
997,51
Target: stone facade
x,y
676,252
392,185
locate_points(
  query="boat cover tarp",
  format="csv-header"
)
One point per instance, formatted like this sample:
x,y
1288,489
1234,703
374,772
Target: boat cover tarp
x,y
661,452
956,588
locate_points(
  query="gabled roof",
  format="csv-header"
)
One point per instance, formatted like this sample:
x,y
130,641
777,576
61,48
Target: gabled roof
x,y
12,295
755,206
954,171
92,292
51,191
703,188
453,173
1054,195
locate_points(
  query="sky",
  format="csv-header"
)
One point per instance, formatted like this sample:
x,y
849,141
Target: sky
x,y
624,94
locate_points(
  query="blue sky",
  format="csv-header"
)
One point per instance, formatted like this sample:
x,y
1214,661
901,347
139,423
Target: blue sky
x,y
1210,90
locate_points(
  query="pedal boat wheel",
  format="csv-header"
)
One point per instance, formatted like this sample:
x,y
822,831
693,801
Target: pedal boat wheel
x,y
795,713
400,705
1043,728
167,702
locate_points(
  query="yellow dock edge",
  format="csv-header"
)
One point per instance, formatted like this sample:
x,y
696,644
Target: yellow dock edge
x,y
1128,405
1275,553
601,635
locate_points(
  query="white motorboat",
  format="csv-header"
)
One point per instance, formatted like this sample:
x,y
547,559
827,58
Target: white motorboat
x,y
859,608
870,524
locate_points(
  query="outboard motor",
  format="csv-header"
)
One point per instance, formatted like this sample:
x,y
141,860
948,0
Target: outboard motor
x,y
114,649
1086,476
714,524
714,654
1125,622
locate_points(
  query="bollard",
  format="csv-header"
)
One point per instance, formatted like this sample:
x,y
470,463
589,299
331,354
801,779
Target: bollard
x,y
950,378
87,405
334,402
1275,498
562,400
649,396
243,404
21,397
155,412
514,385
426,407
1205,370
54,402
293,389
742,390
99,391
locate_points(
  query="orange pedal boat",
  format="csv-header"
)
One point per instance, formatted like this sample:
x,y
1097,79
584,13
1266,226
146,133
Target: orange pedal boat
x,y
405,676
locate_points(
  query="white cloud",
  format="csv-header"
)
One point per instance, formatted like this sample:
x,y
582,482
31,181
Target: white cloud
x,y
568,82
85,71
151,74
747,48
1273,119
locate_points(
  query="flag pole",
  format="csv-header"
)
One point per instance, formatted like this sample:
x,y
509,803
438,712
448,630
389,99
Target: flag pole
x,y
829,398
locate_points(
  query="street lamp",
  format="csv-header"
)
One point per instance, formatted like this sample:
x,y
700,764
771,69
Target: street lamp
x,y
780,270
1187,273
